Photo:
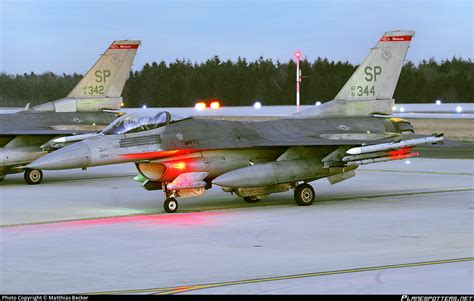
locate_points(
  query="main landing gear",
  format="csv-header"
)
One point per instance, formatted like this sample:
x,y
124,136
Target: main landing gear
x,y
304,194
251,199
33,176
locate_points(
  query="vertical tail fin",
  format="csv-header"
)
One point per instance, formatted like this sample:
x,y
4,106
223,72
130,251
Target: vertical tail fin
x,y
377,76
371,87
101,87
108,75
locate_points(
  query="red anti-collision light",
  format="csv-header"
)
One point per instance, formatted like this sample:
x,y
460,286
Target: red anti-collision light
x,y
179,165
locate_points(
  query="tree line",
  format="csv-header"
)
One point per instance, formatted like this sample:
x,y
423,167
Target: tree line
x,y
242,82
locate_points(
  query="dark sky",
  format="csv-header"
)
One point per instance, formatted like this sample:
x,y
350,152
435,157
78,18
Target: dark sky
x,y
68,36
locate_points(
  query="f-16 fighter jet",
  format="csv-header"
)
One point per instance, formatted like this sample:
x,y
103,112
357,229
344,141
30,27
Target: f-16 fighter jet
x,y
185,156
24,135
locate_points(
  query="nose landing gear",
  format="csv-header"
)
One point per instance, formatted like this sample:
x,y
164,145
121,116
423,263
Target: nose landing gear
x,y
170,205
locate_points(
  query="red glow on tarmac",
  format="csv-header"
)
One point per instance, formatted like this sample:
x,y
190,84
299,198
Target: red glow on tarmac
x,y
192,219
154,155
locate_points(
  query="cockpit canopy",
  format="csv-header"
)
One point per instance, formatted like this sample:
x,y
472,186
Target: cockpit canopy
x,y
140,121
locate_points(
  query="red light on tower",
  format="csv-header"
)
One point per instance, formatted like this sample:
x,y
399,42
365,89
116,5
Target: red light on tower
x,y
215,105
298,55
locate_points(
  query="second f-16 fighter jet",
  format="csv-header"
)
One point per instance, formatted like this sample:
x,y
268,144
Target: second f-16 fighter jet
x,y
185,156
26,135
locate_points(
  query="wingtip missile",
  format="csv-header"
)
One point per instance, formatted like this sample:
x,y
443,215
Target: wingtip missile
x,y
394,145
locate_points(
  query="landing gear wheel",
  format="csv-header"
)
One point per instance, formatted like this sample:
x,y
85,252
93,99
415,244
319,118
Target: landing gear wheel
x,y
304,195
251,199
170,205
33,176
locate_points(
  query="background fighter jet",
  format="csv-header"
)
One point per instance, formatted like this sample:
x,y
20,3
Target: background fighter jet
x,y
23,133
185,156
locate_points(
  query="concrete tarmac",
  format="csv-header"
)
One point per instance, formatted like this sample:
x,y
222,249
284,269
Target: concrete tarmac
x,y
395,228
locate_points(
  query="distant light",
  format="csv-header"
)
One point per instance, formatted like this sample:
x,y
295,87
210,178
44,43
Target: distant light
x,y
122,104
144,107
200,106
394,108
368,132
215,105
438,102
407,162
257,105
402,109
458,109
318,103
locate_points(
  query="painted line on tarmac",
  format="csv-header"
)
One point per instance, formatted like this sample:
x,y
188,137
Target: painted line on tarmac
x,y
187,288
374,196
80,219
420,172
231,206
50,181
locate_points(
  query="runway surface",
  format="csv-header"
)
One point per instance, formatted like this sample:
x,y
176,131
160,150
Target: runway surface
x,y
395,228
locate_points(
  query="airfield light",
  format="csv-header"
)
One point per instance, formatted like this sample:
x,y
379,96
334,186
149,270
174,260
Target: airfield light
x,y
144,106
458,109
394,108
438,102
200,106
257,105
407,162
215,105
122,104
402,109
318,103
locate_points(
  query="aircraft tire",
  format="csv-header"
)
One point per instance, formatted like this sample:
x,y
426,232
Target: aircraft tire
x,y
251,199
170,205
33,176
304,195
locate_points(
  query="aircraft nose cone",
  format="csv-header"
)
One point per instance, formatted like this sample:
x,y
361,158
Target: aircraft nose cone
x,y
76,155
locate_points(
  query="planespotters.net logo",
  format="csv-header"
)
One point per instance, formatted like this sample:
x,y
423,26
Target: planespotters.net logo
x,y
437,298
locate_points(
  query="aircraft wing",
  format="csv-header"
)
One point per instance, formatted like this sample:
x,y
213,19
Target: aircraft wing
x,y
46,131
283,141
